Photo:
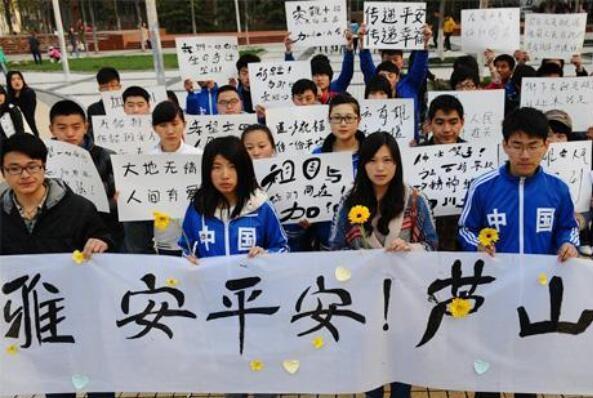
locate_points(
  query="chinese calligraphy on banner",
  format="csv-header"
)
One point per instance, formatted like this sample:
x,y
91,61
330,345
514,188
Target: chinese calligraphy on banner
x,y
395,116
314,23
554,35
394,25
490,28
271,82
296,323
298,128
125,134
204,128
207,57
148,183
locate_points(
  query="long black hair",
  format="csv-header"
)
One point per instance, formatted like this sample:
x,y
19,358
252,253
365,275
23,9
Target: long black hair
x,y
208,198
363,193
340,99
9,76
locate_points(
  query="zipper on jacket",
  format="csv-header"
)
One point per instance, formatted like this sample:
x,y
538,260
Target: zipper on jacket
x,y
227,239
211,110
521,215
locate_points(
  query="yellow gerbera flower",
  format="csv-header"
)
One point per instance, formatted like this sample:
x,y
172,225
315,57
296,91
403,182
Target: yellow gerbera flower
x,y
172,282
488,236
12,349
359,214
78,257
459,307
161,220
256,365
318,342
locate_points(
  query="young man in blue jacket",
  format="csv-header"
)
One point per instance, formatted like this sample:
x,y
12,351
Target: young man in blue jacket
x,y
530,208
201,102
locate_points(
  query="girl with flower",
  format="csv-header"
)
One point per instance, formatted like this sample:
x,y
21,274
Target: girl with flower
x,y
383,212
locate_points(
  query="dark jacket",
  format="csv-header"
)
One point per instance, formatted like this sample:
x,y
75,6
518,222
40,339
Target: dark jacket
x,y
65,223
27,103
94,109
15,116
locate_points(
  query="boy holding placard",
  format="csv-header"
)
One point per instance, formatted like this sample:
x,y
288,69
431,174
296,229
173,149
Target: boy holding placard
x,y
136,101
244,87
108,80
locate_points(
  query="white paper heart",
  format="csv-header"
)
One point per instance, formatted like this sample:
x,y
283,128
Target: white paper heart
x,y
80,381
291,365
343,274
481,367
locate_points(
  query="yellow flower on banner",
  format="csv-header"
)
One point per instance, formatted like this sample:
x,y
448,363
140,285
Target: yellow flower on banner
x,y
542,279
318,342
161,220
256,365
12,349
488,236
459,307
359,214
172,282
78,257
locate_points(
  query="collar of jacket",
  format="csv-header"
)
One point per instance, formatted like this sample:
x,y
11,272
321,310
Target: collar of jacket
x,y
256,200
505,171
57,190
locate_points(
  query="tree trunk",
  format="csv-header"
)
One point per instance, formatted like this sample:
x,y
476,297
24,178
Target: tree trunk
x,y
8,15
138,12
117,20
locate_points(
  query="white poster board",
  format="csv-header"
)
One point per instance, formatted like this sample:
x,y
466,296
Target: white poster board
x,y
395,116
483,114
114,103
573,95
271,82
443,172
298,128
554,35
305,186
315,23
149,183
394,25
497,29
207,57
201,129
125,134
75,166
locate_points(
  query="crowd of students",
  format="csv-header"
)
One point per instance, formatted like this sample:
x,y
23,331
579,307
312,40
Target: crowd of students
x,y
43,215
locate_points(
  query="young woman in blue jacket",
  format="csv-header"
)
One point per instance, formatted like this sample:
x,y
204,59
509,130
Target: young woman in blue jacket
x,y
230,214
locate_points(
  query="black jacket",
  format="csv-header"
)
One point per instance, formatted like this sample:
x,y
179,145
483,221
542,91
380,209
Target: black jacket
x,y
94,109
27,102
65,224
15,116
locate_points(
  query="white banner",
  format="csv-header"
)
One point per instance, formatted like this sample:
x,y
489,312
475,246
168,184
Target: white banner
x,y
395,116
554,35
394,25
490,28
149,183
483,114
125,134
75,166
573,95
114,102
271,82
444,172
312,323
306,186
207,57
298,128
201,129
316,23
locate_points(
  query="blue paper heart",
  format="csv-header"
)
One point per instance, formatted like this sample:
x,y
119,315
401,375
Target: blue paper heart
x,y
481,367
80,381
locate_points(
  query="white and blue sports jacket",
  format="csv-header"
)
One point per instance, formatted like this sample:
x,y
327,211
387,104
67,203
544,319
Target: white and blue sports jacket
x,y
257,225
533,215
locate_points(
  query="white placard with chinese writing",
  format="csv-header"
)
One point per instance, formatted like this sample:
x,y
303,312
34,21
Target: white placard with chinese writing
x,y
207,57
315,23
443,172
394,25
298,128
125,134
573,95
490,28
305,186
395,116
554,35
483,113
330,323
148,183
75,166
114,102
271,82
201,129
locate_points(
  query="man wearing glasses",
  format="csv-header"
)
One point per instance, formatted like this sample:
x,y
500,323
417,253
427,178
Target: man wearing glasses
x,y
228,101
41,215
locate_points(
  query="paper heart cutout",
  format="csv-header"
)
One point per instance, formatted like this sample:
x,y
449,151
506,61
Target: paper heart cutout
x,y
481,367
291,365
343,274
80,381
